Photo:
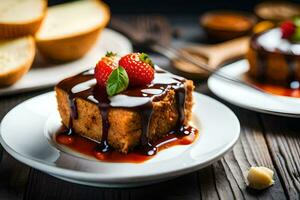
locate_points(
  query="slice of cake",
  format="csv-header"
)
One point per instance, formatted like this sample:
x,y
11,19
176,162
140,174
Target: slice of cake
x,y
71,29
122,116
274,56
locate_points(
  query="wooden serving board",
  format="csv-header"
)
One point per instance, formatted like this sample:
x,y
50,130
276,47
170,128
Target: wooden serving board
x,y
212,55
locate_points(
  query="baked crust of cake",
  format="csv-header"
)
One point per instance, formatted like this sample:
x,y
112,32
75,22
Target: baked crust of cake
x,y
125,128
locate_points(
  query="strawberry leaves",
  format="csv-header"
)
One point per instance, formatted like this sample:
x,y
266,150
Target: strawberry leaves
x,y
118,81
110,54
146,58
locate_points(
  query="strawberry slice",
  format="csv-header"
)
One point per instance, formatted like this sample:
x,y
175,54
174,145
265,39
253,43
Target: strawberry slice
x,y
104,68
139,67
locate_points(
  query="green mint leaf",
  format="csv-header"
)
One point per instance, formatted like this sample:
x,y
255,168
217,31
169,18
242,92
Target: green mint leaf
x,y
117,81
146,58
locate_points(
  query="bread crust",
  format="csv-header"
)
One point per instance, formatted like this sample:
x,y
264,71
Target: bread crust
x,y
70,48
12,30
12,76
73,46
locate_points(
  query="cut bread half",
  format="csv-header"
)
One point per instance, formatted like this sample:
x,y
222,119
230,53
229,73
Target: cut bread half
x,y
70,30
16,57
21,17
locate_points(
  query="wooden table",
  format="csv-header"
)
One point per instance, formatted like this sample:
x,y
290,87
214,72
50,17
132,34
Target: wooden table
x,y
265,140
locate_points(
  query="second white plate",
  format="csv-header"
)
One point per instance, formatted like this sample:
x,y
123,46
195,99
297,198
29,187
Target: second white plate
x,y
249,98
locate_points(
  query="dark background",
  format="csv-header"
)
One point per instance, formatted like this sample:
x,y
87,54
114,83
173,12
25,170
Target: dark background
x,y
174,6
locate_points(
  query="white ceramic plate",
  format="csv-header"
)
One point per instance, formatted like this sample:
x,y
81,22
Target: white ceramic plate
x,y
44,74
25,129
249,98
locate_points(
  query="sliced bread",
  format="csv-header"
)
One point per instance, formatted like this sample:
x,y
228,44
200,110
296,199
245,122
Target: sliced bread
x,y
16,57
21,17
70,30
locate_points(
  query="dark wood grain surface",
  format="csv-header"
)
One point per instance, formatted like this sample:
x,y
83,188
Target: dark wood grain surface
x,y
265,140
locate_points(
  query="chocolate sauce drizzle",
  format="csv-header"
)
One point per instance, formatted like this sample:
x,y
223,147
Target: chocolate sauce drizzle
x,y
140,99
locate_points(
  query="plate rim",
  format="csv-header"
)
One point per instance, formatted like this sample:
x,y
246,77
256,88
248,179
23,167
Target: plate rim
x,y
79,175
249,107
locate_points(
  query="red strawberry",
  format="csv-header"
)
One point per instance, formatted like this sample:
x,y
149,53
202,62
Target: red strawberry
x,y
139,68
288,28
104,68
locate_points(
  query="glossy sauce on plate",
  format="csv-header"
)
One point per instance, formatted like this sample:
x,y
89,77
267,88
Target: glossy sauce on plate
x,y
278,90
91,148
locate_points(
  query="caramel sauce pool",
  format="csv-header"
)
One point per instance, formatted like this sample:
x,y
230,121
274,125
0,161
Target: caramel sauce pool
x,y
89,148
278,90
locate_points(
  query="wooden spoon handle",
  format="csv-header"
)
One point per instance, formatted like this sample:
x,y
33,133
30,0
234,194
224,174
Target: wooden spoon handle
x,y
222,52
226,51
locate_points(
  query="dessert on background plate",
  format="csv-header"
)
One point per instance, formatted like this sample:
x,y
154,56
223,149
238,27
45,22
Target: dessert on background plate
x,y
126,105
272,64
274,59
